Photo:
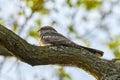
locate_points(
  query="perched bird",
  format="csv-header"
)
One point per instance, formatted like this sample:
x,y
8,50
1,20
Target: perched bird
x,y
49,36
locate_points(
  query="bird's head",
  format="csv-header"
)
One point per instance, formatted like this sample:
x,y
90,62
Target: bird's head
x,y
45,29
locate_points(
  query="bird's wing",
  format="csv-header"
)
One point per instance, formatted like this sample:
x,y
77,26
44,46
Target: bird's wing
x,y
55,38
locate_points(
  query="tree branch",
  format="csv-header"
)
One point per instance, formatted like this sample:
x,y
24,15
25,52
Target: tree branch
x,y
37,55
4,51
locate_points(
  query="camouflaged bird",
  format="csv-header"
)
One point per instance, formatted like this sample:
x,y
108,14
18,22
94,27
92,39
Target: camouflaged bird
x,y
49,36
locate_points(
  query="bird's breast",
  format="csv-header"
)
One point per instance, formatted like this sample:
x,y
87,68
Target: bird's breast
x,y
42,43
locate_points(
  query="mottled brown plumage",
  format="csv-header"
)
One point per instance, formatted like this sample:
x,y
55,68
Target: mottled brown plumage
x,y
49,36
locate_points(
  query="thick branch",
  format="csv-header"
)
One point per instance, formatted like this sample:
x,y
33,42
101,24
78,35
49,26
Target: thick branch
x,y
4,51
37,55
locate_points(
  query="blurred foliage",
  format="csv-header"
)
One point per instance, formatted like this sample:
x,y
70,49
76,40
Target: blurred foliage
x,y
114,45
53,22
38,22
15,26
77,36
62,74
71,29
69,3
37,6
90,4
33,30
2,22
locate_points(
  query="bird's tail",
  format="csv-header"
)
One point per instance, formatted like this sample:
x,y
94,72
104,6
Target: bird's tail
x,y
95,51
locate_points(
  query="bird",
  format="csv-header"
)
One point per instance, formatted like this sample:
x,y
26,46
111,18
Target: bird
x,y
49,36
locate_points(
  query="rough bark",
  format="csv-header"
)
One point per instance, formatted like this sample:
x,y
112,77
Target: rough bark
x,y
4,51
36,55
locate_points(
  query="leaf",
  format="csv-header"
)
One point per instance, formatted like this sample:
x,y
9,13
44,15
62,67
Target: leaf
x,y
44,11
2,22
117,53
37,6
79,2
71,29
63,74
90,4
114,45
38,22
33,32
53,22
69,3
115,42
15,26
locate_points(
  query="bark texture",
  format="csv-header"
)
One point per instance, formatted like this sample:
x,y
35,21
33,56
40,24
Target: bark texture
x,y
36,55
